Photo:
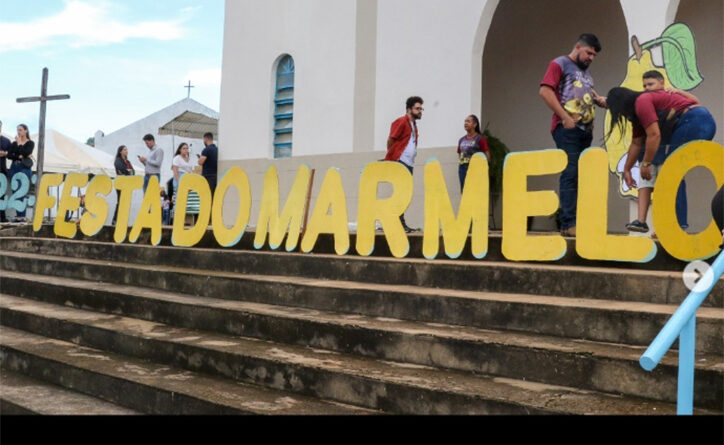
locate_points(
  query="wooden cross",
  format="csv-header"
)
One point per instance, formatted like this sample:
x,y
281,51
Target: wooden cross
x,y
189,86
43,98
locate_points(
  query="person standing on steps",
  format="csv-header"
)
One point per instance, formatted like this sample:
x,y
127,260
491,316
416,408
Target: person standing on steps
x,y
567,89
402,141
4,149
209,161
123,168
154,161
473,142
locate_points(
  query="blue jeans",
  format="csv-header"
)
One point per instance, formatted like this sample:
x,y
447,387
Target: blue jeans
x,y
573,142
18,167
462,174
696,124
148,177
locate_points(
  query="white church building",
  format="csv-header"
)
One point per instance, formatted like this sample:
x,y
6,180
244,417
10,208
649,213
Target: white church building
x,y
320,81
132,135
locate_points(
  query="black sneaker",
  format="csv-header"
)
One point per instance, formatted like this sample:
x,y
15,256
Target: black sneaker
x,y
637,226
409,229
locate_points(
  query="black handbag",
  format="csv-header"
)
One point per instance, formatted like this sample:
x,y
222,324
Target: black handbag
x,y
27,162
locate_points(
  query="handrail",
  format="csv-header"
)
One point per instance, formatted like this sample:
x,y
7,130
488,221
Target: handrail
x,y
683,324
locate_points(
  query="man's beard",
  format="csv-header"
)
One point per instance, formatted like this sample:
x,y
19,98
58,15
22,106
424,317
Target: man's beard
x,y
581,65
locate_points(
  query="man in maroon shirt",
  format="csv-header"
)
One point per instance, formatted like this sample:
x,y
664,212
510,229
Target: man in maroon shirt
x,y
402,142
567,89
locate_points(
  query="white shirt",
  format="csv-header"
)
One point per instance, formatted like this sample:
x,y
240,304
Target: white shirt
x,y
183,165
408,156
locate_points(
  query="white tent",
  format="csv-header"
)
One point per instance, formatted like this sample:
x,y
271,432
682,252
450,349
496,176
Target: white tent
x,y
66,155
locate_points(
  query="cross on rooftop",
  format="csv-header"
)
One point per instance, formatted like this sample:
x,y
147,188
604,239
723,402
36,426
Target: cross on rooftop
x,y
189,86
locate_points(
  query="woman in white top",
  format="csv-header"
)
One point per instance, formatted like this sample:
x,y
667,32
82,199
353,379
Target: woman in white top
x,y
181,165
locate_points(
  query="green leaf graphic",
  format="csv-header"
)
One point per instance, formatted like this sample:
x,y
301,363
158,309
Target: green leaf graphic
x,y
679,53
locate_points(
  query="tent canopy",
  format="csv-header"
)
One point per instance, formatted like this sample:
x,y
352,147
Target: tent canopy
x,y
66,155
191,125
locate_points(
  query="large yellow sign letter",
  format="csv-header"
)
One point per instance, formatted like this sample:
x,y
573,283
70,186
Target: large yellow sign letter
x,y
45,200
126,185
149,215
96,206
518,204
473,211
292,215
592,239
233,177
199,184
674,239
330,215
69,203
386,211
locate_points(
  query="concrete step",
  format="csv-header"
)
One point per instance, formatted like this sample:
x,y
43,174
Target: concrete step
x,y
610,321
23,395
660,287
145,386
597,366
325,245
389,386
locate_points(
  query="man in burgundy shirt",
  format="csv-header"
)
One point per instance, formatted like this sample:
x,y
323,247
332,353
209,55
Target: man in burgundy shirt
x,y
402,142
567,89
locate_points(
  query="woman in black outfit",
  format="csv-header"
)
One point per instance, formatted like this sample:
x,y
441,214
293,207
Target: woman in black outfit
x,y
19,154
123,168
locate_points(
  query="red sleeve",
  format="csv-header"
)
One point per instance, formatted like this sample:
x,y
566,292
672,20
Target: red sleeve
x,y
553,75
484,145
645,110
397,129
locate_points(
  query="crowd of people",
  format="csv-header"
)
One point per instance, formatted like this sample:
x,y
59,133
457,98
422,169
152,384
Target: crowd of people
x,y
19,153
182,163
663,119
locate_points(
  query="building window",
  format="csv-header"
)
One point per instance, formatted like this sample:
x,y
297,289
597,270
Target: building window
x,y
284,108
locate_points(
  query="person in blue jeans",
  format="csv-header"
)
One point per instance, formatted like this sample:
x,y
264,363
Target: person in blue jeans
x,y
654,81
650,113
567,89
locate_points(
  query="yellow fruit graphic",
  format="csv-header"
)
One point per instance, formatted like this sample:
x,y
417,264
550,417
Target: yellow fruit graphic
x,y
617,144
587,99
578,84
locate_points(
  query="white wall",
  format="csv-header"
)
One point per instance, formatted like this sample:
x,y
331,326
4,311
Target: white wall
x,y
425,48
320,36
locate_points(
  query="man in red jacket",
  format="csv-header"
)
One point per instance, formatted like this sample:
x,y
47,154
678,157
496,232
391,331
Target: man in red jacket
x,y
402,143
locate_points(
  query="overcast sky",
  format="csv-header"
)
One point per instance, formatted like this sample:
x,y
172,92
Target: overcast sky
x,y
120,60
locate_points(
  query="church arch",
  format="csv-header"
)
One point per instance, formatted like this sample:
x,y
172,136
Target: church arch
x,y
517,49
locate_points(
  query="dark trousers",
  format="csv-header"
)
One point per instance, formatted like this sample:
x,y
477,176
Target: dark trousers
x,y
462,174
3,218
212,183
573,142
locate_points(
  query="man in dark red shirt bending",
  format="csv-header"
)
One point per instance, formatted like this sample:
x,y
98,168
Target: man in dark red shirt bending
x,y
402,143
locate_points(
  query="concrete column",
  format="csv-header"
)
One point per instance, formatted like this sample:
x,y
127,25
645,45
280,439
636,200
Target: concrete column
x,y
365,76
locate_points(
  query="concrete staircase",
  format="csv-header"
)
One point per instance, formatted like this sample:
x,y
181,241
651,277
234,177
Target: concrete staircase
x,y
121,329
